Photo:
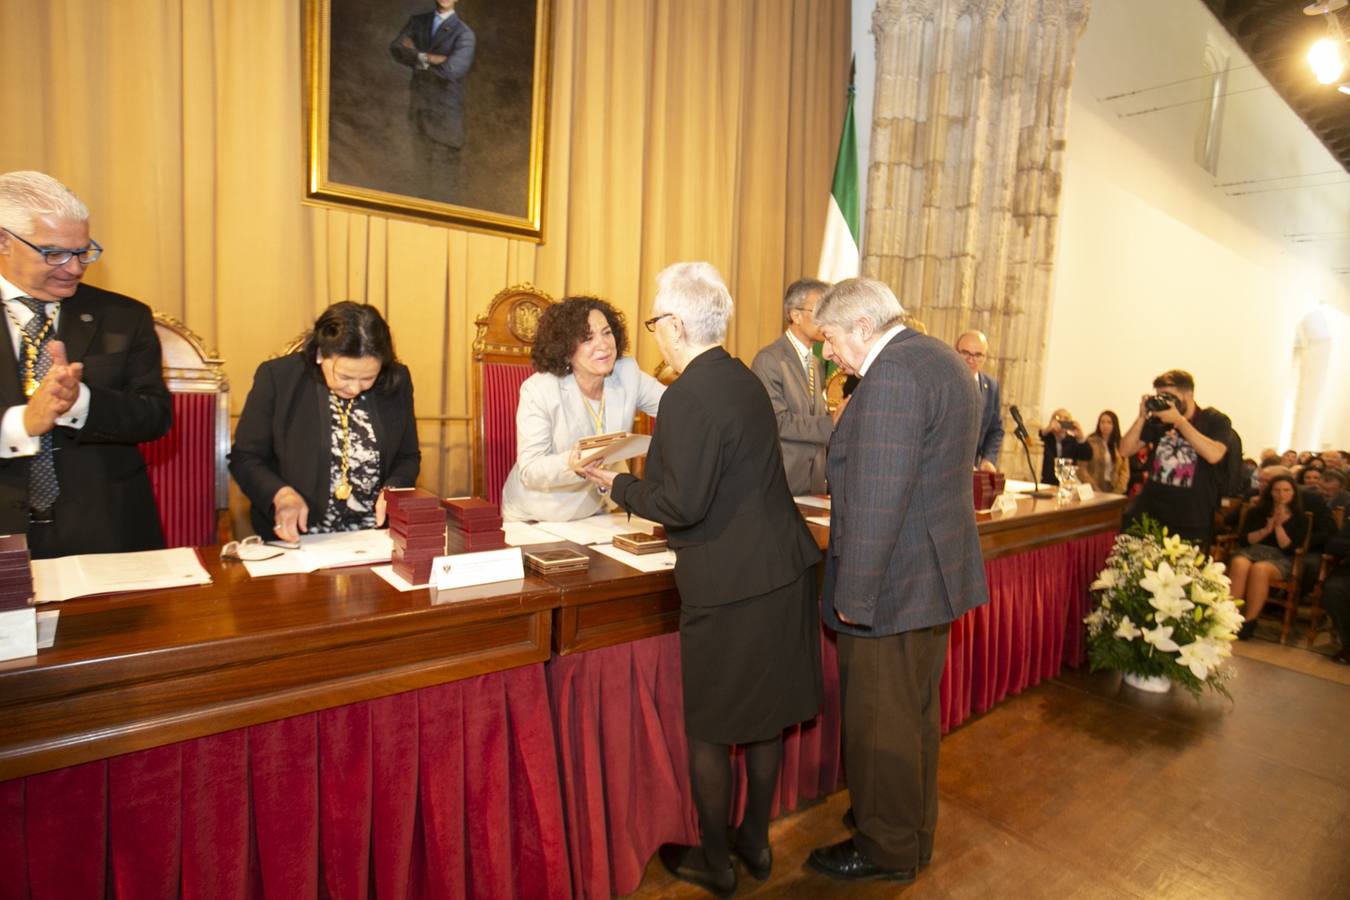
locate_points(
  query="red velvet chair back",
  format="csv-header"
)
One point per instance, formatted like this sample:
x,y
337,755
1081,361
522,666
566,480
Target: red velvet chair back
x,y
501,355
187,466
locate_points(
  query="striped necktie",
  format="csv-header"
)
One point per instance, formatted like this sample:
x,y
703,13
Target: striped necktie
x,y
43,488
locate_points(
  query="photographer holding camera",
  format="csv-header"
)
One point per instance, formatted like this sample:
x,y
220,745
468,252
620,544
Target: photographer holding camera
x,y
1062,438
1185,470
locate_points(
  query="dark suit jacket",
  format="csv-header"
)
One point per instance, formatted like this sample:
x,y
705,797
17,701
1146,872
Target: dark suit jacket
x,y
106,504
1072,449
804,425
284,434
904,552
991,422
437,104
714,479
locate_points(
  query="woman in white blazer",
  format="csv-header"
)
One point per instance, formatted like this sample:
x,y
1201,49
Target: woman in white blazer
x,y
583,386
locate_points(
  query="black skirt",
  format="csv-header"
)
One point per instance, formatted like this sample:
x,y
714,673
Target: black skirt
x,y
752,668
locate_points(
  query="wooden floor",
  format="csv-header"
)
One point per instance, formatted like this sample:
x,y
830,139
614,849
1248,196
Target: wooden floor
x,y
1084,788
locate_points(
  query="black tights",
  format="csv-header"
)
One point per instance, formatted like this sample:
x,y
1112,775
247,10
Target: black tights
x,y
710,773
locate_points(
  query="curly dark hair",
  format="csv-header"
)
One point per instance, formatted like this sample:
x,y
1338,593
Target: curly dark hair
x,y
564,326
1266,504
353,330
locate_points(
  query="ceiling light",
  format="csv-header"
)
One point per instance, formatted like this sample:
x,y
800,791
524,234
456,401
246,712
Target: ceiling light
x,y
1327,58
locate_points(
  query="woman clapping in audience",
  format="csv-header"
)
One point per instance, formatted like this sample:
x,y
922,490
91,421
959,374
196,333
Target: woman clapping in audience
x,y
1272,532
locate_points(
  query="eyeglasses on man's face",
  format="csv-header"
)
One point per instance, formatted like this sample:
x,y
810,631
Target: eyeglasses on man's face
x,y
650,324
59,256
969,355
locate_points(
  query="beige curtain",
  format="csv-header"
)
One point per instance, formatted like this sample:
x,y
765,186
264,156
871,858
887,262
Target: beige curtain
x,y
702,129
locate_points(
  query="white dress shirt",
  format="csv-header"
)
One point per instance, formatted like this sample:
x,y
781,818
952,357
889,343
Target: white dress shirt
x,y
876,348
14,437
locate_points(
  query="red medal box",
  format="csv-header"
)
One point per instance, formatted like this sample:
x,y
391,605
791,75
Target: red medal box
x,y
433,544
472,542
430,529
400,502
416,572
418,515
471,510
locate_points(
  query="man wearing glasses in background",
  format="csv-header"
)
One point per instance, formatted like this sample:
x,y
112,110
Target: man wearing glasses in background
x,y
795,379
974,349
82,387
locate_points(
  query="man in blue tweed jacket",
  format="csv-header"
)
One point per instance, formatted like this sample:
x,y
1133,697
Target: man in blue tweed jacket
x,y
903,563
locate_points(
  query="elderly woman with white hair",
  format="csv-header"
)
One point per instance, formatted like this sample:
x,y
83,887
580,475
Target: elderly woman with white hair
x,y
749,623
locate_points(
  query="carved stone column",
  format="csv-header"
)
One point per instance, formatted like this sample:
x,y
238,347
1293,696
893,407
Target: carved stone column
x,y
965,174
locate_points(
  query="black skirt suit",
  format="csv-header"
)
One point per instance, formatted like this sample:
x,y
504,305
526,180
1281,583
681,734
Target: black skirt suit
x,y
284,433
749,621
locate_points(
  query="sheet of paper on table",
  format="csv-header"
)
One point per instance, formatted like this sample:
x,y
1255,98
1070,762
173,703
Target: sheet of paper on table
x,y
1013,486
597,529
521,534
819,520
814,500
115,573
647,562
328,551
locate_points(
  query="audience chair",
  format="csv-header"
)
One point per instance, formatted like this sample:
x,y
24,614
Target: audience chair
x,y
1232,509
187,466
501,356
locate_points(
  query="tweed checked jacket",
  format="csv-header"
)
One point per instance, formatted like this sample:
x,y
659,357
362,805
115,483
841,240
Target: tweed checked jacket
x,y
904,551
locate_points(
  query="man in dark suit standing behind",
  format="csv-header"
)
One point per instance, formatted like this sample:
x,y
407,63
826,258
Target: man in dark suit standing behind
x,y
795,380
438,47
82,387
974,349
904,562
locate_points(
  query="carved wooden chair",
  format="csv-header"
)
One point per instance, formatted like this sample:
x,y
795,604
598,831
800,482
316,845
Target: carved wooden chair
x,y
501,356
187,466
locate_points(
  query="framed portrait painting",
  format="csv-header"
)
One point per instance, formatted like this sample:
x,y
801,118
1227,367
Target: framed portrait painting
x,y
429,109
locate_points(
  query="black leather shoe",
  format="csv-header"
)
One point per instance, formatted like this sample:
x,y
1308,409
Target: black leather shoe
x,y
845,862
852,825
759,863
1247,630
687,864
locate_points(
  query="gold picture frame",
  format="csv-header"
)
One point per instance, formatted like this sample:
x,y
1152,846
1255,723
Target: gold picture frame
x,y
427,137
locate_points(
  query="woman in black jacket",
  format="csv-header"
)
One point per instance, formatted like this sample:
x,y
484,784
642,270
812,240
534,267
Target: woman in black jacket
x,y
326,429
745,569
1271,533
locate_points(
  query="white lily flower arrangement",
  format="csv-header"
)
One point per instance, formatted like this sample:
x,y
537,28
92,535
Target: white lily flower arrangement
x,y
1163,609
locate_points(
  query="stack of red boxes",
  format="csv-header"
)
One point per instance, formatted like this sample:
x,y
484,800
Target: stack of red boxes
x,y
473,525
16,572
988,485
417,527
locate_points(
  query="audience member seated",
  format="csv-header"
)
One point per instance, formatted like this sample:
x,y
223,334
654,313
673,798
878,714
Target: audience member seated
x,y
1336,591
583,386
1107,470
1063,439
1335,459
1289,458
1271,534
1332,486
326,429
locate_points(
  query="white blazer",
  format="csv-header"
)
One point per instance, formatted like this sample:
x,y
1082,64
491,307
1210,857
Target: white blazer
x,y
550,419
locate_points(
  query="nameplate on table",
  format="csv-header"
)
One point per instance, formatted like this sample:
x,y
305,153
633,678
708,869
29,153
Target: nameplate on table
x,y
18,633
1085,492
1004,505
485,567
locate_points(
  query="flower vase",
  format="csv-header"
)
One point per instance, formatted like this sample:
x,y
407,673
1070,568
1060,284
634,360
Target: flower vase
x,y
1154,684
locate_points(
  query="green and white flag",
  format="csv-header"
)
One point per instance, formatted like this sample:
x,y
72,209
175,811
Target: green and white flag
x,y
839,256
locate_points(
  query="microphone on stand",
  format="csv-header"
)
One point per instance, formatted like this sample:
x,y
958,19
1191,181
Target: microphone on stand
x,y
1022,435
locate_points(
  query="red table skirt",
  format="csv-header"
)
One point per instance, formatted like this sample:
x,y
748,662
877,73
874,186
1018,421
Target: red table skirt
x,y
618,712
448,791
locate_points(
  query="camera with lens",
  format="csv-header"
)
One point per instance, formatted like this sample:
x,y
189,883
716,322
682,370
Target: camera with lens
x,y
1159,402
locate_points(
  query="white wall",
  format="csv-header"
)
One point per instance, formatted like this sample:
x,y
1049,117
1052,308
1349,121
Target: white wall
x,y
1157,267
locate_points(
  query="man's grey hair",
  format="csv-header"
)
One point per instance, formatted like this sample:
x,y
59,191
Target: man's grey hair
x,y
855,298
796,295
26,195
695,292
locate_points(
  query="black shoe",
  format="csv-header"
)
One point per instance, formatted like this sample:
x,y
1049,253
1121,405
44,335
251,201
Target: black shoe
x,y
845,862
759,863
851,824
688,864
1247,630
1343,657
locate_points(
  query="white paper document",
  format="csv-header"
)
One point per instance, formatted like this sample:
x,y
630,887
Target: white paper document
x,y
597,529
646,562
1013,486
116,573
521,534
18,633
328,551
819,520
812,500
616,447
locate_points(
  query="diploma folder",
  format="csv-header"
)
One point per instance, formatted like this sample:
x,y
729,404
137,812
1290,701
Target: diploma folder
x,y
613,447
